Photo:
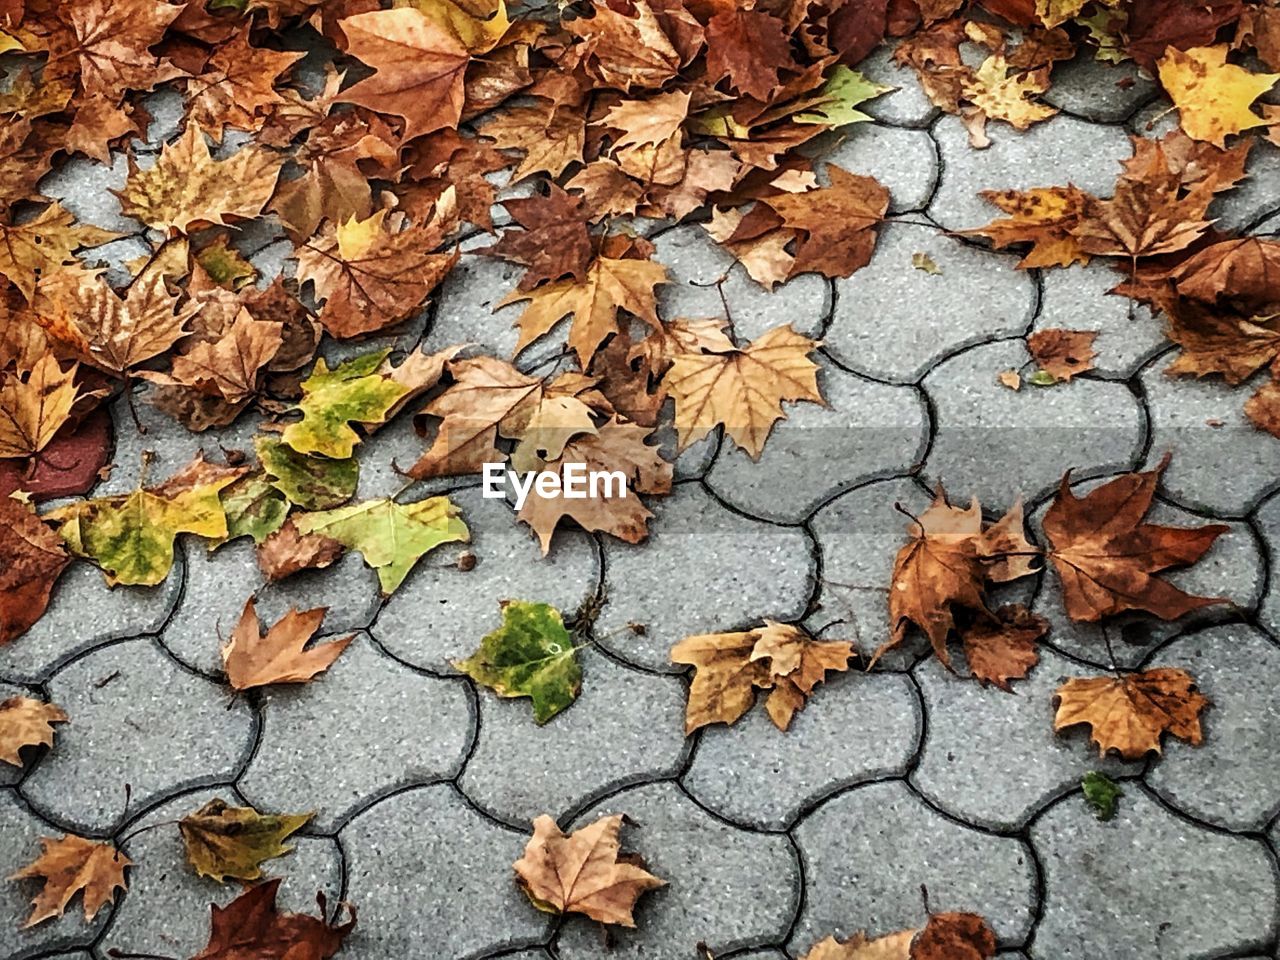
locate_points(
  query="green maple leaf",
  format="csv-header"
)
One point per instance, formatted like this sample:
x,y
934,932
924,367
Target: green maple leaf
x,y
391,536
838,100
313,483
332,400
254,508
530,655
224,841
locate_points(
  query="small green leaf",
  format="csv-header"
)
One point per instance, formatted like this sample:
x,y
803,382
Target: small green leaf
x,y
530,655
254,508
225,266
1101,793
224,841
1042,378
925,263
391,536
313,483
332,400
839,98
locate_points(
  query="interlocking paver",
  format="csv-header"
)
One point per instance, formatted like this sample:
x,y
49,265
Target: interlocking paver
x,y
357,708
1019,161
894,322
999,444
625,727
1149,884
904,161
137,719
1104,93
906,105
856,727
1077,299
20,833
462,606
866,430
711,868
84,187
689,577
1220,462
167,909
426,868
992,758
867,852
1231,780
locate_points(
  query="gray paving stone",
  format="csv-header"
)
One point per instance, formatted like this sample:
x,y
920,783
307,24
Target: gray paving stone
x,y
1224,469
712,870
1102,92
859,534
1232,779
695,262
703,569
141,720
1077,299
1232,568
441,612
166,910
999,444
869,430
1256,198
906,105
856,727
405,728
115,256
1147,885
1019,161
67,629
20,834
867,852
84,186
219,583
166,107
424,867
625,727
1267,519
992,758
905,161
894,322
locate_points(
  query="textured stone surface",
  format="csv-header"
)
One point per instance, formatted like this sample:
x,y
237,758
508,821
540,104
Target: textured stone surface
x,y
406,727
904,161
1077,299
470,905
1149,885
906,105
689,577
1106,93
625,727
866,853
856,727
999,444
137,719
867,430
1019,161
893,321
84,187
992,758
712,869
1232,779
167,908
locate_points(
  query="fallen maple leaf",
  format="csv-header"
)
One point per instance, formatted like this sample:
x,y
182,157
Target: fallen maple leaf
x,y
70,865
1130,713
112,41
954,936
285,552
1004,648
530,655
1213,97
583,872
251,927
1063,354
552,241
228,367
357,391
37,248
1108,557
25,722
1045,218
893,946
225,841
34,408
253,659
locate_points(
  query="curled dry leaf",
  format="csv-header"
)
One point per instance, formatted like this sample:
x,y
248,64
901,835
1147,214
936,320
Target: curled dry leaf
x,y
25,722
251,924
225,841
1003,648
583,872
282,655
32,557
1063,354
1130,713
68,866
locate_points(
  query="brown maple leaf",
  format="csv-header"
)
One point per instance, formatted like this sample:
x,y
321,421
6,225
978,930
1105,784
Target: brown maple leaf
x,y
33,250
1244,270
99,122
550,137
26,723
228,367
237,87
251,927
627,50
253,659
32,557
1063,354
836,225
583,872
1004,648
1214,340
552,241
954,936
70,865
287,551
35,407
1045,218
749,47
1108,558
110,49
1130,713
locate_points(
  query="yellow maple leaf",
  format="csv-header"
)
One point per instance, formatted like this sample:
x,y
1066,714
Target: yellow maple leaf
x,y
33,409
1213,97
1002,96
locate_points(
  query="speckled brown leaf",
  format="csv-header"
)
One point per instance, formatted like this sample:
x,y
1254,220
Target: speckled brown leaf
x,y
25,722
68,866
1130,713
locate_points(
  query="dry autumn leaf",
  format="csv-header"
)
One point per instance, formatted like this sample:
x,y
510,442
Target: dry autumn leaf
x,y
32,557
1213,97
1063,354
1130,713
225,841
33,408
583,872
281,655
252,924
71,865
25,722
